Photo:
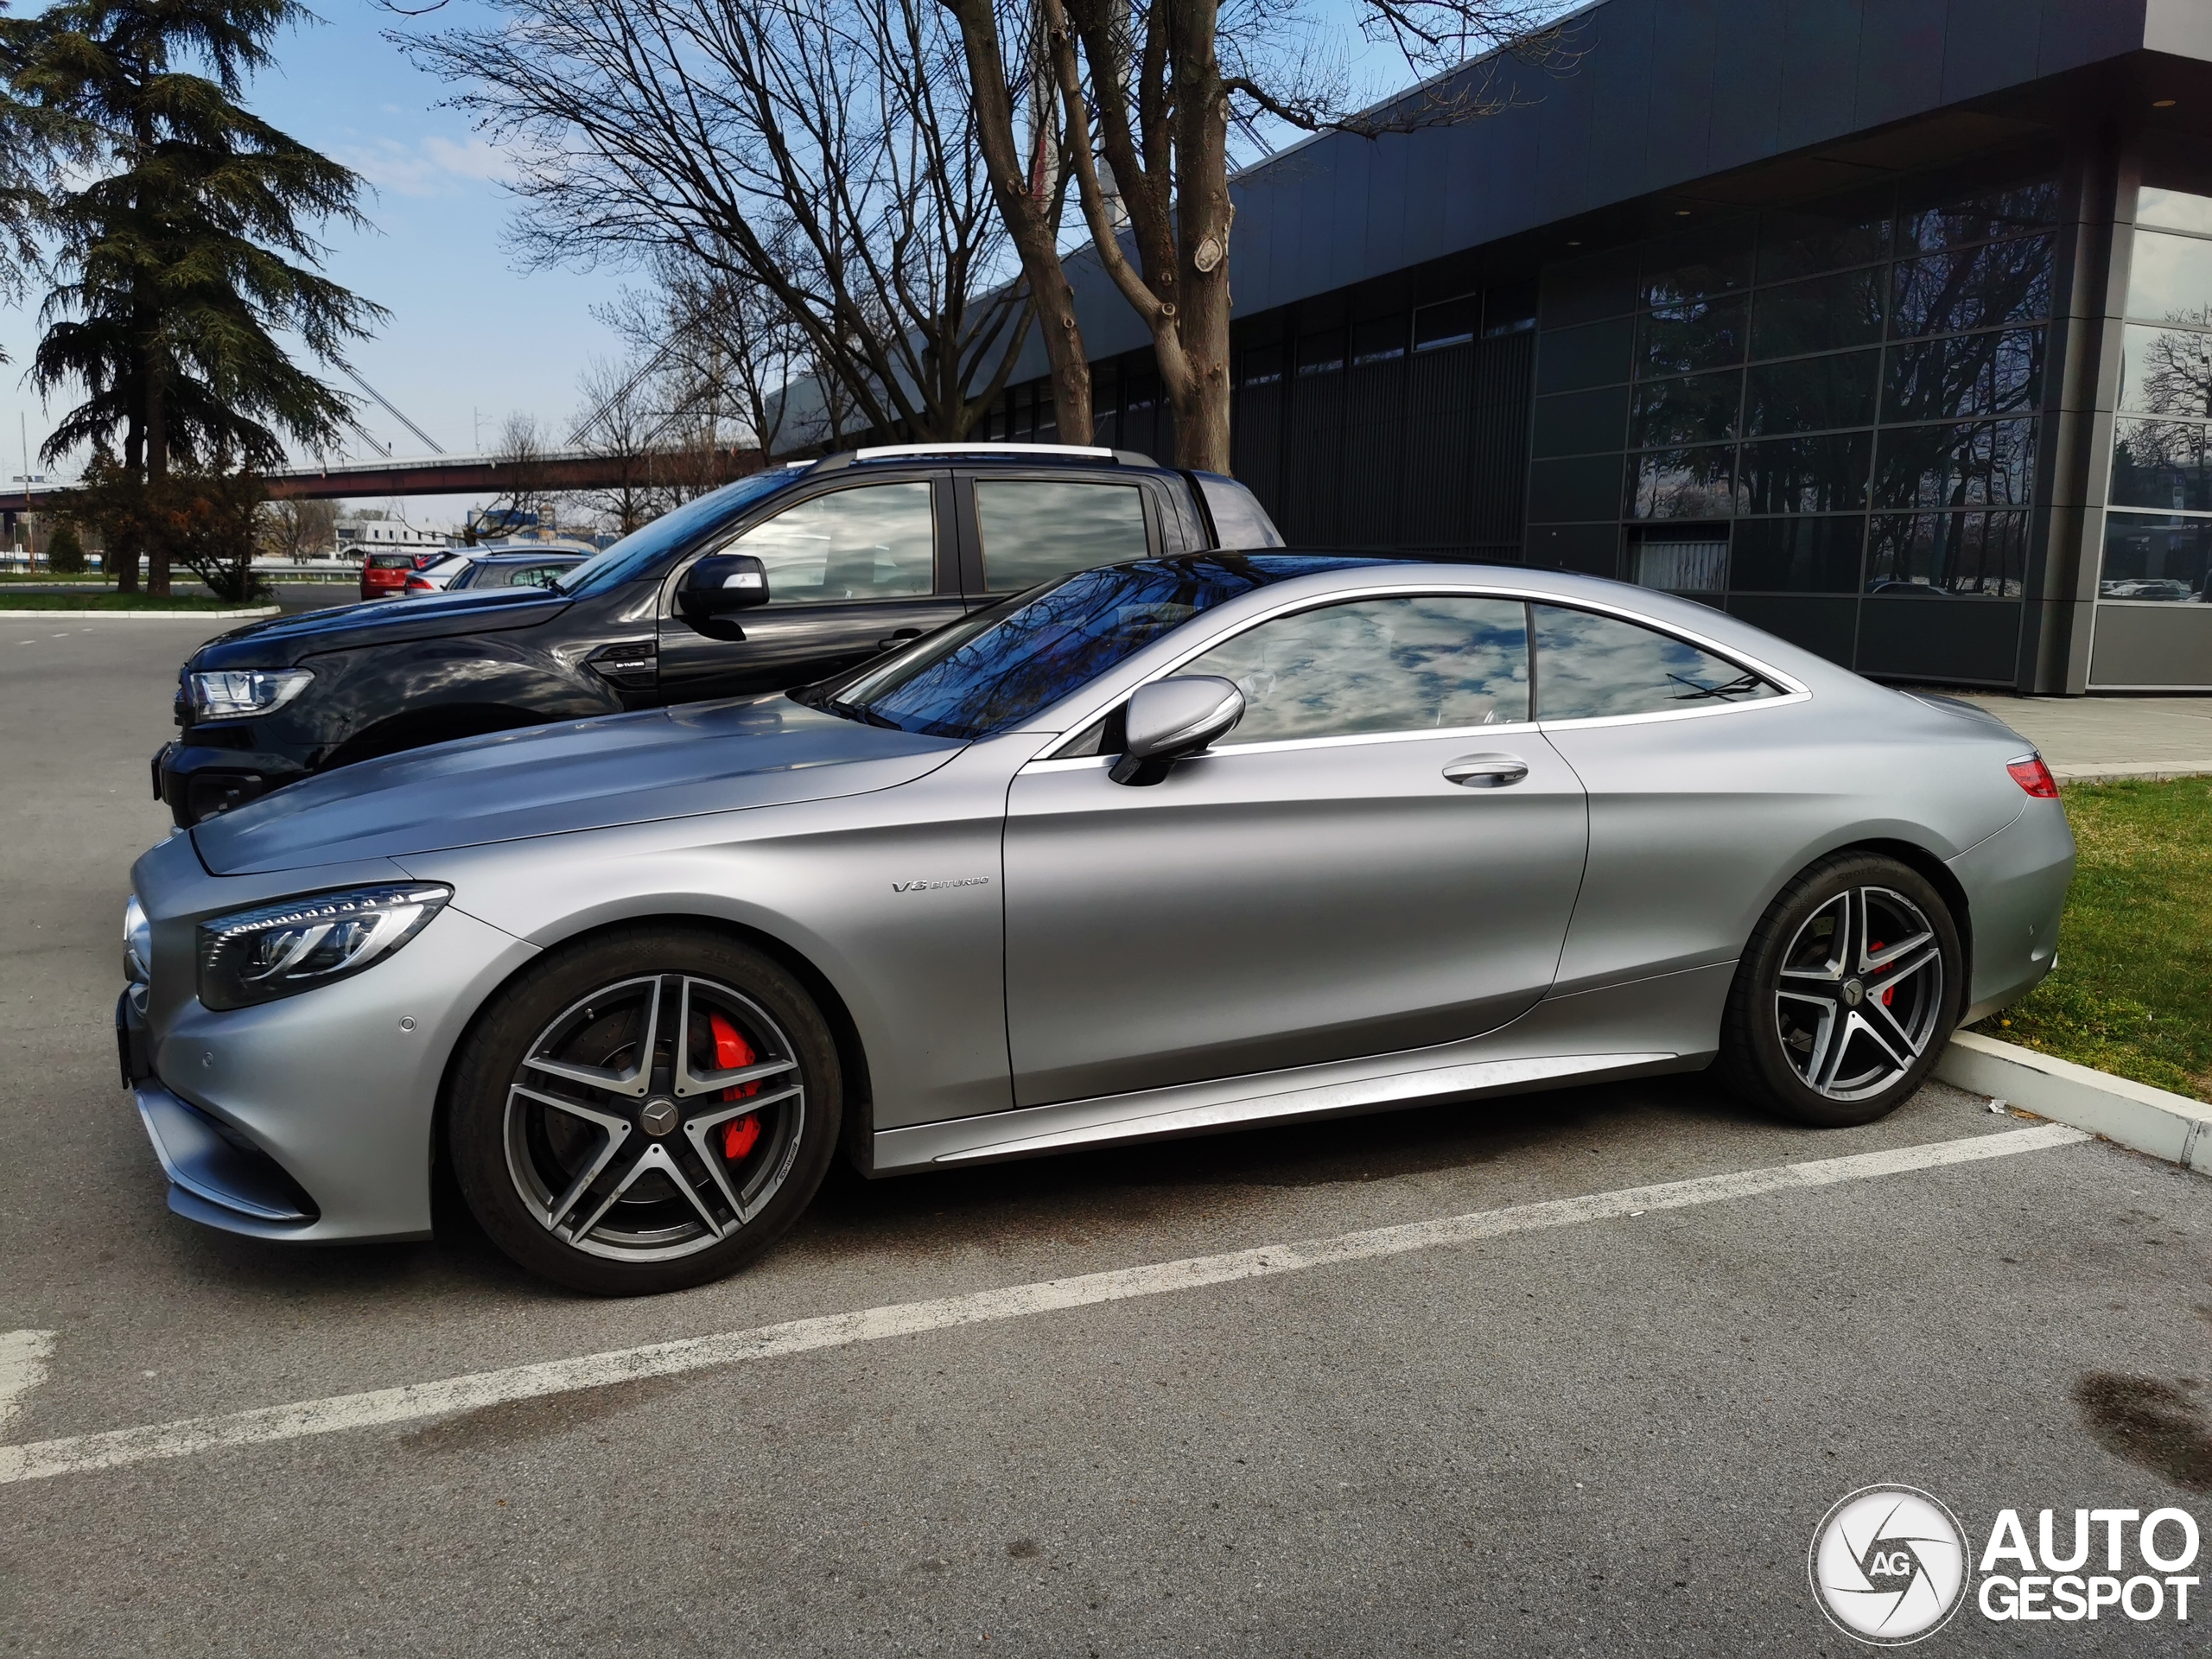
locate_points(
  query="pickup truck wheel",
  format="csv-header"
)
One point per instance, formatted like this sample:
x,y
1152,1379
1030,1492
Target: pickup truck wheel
x,y
648,1111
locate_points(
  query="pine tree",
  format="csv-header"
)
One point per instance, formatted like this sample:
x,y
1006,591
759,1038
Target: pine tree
x,y
186,252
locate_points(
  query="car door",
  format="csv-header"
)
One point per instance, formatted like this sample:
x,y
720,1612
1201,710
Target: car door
x,y
852,571
1316,886
1031,530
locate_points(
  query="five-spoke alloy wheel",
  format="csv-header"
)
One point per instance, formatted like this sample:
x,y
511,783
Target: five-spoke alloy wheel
x,y
1847,993
648,1110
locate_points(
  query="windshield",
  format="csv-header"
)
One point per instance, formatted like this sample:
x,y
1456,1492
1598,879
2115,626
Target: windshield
x,y
647,550
997,669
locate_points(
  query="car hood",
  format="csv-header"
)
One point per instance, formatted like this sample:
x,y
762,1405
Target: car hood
x,y
588,774
284,640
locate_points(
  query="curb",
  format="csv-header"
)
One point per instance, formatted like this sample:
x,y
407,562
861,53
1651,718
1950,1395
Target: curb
x,y
141,616
2172,1127
2155,770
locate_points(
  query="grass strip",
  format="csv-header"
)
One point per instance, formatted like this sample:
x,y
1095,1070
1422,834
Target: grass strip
x,y
2132,994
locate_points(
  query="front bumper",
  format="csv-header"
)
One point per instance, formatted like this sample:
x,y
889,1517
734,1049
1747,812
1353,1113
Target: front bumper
x,y
313,1119
200,781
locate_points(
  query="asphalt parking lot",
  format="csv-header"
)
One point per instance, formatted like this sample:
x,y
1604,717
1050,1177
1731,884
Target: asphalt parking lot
x,y
1609,1428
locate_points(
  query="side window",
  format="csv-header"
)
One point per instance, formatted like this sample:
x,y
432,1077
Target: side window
x,y
537,576
1033,529
1423,663
1589,665
876,541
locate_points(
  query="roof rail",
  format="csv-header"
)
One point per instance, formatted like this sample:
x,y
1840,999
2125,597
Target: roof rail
x,y
1090,453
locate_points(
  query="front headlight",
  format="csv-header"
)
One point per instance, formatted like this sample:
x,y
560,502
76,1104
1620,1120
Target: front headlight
x,y
257,956
232,692
137,944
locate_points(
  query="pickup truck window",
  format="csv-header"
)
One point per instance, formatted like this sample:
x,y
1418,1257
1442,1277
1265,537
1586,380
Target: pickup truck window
x,y
1033,529
876,541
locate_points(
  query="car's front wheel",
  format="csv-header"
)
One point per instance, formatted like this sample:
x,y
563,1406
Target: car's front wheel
x,y
1845,994
644,1111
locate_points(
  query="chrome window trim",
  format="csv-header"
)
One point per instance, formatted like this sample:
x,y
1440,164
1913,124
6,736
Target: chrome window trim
x,y
1794,689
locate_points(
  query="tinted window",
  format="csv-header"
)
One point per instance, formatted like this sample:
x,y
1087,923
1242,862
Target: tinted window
x,y
1996,212
1002,665
2006,282
877,542
1989,463
1589,665
1794,244
1823,474
1947,553
1818,315
1811,394
1377,665
1678,338
2170,278
1968,374
2160,464
2175,209
1580,423
2165,372
650,548
1682,483
1798,556
2156,561
1033,531
1696,410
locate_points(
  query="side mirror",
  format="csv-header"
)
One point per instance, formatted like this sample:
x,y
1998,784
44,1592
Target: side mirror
x,y
721,584
1172,719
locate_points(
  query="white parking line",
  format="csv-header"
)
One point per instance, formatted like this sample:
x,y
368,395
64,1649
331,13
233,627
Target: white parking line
x,y
118,1448
24,1355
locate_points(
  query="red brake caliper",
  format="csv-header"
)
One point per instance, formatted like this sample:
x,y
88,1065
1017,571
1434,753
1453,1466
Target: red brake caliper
x,y
732,1050
1890,995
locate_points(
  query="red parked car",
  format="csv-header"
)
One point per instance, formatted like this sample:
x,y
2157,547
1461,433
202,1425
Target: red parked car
x,y
384,575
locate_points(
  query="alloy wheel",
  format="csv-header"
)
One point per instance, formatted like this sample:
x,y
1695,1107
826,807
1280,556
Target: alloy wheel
x,y
1860,994
654,1118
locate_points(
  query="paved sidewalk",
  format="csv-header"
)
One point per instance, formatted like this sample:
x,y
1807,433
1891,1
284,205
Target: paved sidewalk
x,y
2111,737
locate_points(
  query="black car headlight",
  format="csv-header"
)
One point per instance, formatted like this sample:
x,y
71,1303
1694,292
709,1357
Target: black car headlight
x,y
257,956
231,693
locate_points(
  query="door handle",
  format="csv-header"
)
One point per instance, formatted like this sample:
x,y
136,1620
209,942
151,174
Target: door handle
x,y
897,638
1486,771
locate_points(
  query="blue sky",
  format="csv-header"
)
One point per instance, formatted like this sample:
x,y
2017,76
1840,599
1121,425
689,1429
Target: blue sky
x,y
468,334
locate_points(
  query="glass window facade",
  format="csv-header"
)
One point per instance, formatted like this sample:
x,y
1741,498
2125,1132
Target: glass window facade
x,y
1845,401
2157,542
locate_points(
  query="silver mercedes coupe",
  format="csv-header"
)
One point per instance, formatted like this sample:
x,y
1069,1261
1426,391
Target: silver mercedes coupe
x,y
1163,849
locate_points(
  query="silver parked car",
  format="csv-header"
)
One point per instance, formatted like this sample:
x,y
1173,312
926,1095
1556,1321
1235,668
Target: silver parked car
x,y
1161,848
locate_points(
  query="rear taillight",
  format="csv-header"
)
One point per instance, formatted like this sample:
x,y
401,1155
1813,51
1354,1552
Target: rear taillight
x,y
415,584
2031,774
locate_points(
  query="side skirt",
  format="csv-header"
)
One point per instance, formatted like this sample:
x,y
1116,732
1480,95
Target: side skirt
x,y
1669,1023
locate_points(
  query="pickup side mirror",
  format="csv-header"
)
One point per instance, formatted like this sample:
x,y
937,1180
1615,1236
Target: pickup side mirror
x,y
720,585
1172,719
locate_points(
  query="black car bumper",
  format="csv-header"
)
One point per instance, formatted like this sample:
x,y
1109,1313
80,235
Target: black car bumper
x,y
200,782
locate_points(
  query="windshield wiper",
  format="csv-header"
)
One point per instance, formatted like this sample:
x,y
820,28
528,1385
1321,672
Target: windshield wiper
x,y
853,711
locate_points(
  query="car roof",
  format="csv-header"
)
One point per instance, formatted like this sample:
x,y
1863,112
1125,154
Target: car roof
x,y
550,555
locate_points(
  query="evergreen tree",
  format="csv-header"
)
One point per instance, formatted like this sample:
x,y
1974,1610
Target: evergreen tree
x,y
188,249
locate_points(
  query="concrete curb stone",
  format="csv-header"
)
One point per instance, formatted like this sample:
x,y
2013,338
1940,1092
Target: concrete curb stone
x,y
142,616
2168,1126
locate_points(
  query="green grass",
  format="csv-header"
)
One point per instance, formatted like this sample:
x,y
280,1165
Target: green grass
x,y
91,600
2132,994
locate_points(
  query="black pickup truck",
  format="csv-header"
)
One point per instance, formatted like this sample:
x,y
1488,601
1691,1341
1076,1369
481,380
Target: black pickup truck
x,y
857,554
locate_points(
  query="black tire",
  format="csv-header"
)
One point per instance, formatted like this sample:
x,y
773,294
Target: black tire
x,y
1799,987
518,1148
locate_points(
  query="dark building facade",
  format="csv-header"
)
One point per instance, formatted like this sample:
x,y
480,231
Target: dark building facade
x,y
1886,325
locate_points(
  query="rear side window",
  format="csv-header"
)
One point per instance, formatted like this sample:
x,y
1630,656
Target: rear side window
x,y
1423,663
1239,520
1034,529
877,542
1590,666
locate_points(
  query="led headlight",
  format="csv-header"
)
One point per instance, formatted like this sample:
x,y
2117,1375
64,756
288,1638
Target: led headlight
x,y
257,956
231,693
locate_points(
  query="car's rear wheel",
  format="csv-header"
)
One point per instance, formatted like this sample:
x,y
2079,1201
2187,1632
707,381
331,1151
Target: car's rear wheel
x,y
1845,994
646,1111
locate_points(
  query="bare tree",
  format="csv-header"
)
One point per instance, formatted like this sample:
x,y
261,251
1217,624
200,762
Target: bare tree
x,y
819,150
520,461
622,425
1149,92
293,530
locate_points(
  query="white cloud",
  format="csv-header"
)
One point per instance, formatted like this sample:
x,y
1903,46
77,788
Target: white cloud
x,y
433,165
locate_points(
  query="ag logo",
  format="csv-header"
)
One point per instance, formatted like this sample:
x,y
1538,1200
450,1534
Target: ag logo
x,y
1888,1565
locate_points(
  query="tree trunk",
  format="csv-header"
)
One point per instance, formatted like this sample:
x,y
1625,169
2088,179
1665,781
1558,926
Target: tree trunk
x,y
158,471
1204,214
122,555
1035,239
